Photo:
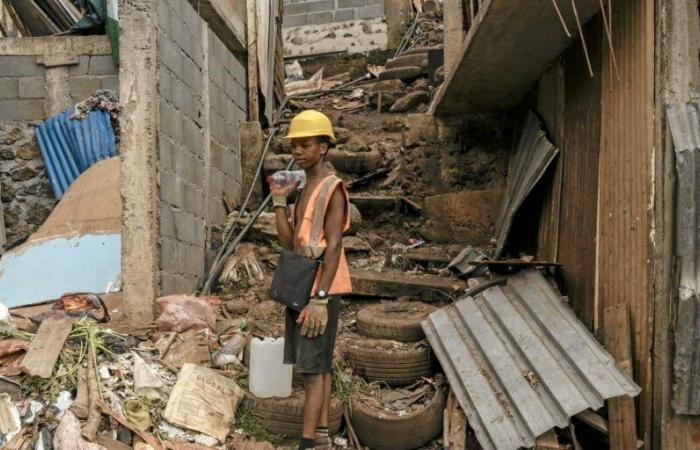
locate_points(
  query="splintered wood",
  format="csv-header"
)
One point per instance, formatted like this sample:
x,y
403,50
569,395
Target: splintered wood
x,y
45,348
623,429
455,425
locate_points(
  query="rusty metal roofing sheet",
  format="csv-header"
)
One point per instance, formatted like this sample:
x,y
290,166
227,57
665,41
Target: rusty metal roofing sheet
x,y
684,121
520,362
534,154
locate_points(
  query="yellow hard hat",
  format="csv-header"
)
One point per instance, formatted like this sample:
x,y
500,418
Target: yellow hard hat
x,y
310,123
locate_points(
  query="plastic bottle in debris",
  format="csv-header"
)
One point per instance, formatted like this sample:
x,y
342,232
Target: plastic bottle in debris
x,y
285,178
230,351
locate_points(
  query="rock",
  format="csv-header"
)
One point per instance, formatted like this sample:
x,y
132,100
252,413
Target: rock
x,y
467,214
8,192
392,124
356,144
355,163
23,174
263,310
401,73
274,163
355,219
236,306
355,244
12,136
388,86
421,84
29,152
375,240
7,154
388,99
410,100
37,214
342,135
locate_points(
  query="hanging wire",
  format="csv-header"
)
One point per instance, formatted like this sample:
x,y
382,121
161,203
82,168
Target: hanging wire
x,y
583,39
607,24
561,19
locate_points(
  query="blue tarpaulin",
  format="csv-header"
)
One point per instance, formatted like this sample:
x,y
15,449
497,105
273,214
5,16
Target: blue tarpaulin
x,y
71,146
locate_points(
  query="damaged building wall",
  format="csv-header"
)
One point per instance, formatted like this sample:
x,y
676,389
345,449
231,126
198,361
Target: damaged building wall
x,y
312,27
201,100
40,77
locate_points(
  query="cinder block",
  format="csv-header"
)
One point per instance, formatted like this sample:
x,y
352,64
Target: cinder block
x,y
192,76
194,200
9,88
166,80
32,87
176,5
319,18
344,15
191,18
189,228
170,121
375,2
165,13
171,283
81,68
193,138
83,87
172,189
166,152
370,12
307,7
350,3
295,20
168,254
29,109
215,151
188,167
110,82
170,55
167,221
102,65
190,258
20,66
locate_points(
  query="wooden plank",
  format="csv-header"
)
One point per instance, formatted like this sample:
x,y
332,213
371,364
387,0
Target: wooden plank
x,y
45,347
454,32
457,435
253,105
622,420
427,288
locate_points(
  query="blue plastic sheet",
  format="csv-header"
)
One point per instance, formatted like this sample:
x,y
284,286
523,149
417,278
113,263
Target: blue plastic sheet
x,y
71,146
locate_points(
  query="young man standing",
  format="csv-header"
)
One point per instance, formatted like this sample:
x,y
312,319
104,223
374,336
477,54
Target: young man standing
x,y
320,217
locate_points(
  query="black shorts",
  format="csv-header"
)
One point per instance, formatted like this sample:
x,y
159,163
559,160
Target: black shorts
x,y
311,355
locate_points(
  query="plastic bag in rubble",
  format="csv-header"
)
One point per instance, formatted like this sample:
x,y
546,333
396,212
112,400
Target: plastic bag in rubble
x,y
68,435
230,352
147,383
185,312
6,323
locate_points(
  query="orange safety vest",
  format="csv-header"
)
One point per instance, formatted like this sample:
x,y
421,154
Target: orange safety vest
x,y
311,239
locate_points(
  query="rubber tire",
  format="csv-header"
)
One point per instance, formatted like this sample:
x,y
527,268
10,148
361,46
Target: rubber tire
x,y
285,416
395,368
399,433
388,320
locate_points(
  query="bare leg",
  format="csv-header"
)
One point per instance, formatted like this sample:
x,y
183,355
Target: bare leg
x,y
315,391
325,410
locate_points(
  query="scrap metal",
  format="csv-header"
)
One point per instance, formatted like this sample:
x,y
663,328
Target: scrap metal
x,y
520,362
684,122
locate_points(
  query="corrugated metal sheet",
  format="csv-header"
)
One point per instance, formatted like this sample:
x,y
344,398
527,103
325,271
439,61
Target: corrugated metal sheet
x,y
532,157
520,362
579,159
684,122
625,238
71,146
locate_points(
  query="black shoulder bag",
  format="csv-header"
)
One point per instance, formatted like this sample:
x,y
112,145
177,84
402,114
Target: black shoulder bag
x,y
293,280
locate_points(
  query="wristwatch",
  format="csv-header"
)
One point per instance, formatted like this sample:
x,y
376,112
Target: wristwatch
x,y
321,294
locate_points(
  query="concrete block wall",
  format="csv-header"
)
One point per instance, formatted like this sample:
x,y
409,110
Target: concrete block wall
x,y
201,100
315,12
23,91
227,94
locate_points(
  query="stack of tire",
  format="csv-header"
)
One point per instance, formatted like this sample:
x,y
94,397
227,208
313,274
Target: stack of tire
x,y
402,366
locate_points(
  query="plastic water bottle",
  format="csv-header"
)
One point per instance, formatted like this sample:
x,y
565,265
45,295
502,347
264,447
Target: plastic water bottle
x,y
229,352
269,377
285,178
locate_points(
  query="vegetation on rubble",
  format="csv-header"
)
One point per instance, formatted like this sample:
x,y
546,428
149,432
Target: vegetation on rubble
x,y
85,335
251,423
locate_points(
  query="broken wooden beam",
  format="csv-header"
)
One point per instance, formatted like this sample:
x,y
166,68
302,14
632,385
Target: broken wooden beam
x,y
376,205
622,413
599,423
428,288
46,346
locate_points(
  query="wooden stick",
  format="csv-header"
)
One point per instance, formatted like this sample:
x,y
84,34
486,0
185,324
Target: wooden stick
x,y
94,416
252,47
622,413
561,18
583,39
